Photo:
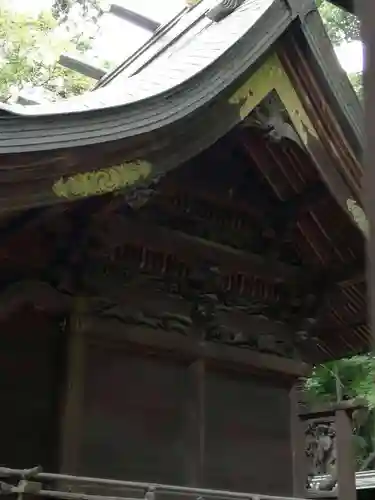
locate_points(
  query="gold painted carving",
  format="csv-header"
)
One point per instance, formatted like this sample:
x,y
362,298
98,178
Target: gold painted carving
x,y
272,77
102,181
359,216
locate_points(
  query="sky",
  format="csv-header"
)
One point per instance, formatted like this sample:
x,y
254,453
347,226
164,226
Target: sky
x,y
114,30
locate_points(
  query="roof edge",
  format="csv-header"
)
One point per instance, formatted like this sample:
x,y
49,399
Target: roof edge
x,y
42,133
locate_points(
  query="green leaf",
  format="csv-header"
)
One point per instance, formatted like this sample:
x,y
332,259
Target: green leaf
x,y
30,47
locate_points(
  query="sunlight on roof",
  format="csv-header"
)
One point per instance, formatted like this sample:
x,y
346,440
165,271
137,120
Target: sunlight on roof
x,y
160,10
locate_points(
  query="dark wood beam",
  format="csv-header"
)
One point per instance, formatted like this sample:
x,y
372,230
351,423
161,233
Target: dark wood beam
x,y
263,216
193,349
78,65
193,250
284,216
346,330
338,276
329,409
36,217
133,17
264,157
36,293
73,250
349,274
298,442
303,201
28,219
121,231
345,452
171,191
195,428
72,405
332,156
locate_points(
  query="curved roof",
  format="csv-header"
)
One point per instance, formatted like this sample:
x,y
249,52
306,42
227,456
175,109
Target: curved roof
x,y
182,97
201,63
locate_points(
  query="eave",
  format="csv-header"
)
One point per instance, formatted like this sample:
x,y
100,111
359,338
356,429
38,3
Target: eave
x,y
150,130
150,102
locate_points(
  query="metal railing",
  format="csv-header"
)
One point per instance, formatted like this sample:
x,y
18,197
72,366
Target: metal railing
x,y
32,482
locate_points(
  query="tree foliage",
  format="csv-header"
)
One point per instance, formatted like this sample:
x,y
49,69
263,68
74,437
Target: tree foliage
x,y
342,27
29,49
357,83
348,379
88,9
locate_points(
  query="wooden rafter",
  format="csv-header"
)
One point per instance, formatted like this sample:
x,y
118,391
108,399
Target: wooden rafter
x,y
121,231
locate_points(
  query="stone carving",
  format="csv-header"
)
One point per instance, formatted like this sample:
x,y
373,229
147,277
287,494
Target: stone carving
x,y
102,181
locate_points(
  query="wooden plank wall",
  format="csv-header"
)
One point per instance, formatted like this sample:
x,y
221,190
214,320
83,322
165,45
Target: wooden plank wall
x,y
247,434
141,415
151,418
133,417
31,352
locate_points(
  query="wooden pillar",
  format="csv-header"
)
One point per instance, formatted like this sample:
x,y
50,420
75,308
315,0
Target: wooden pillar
x,y
72,401
298,446
195,424
345,456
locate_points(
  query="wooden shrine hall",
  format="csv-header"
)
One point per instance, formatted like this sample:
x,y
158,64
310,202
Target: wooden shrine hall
x,y
179,247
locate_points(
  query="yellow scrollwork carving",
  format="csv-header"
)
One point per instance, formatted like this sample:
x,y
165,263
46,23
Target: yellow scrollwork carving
x,y
359,216
102,181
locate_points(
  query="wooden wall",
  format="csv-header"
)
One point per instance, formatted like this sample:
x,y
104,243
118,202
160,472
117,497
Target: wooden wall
x,y
30,377
133,417
150,418
248,444
137,414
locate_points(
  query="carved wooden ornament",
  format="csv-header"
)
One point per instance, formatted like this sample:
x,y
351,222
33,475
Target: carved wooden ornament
x,y
102,181
359,216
